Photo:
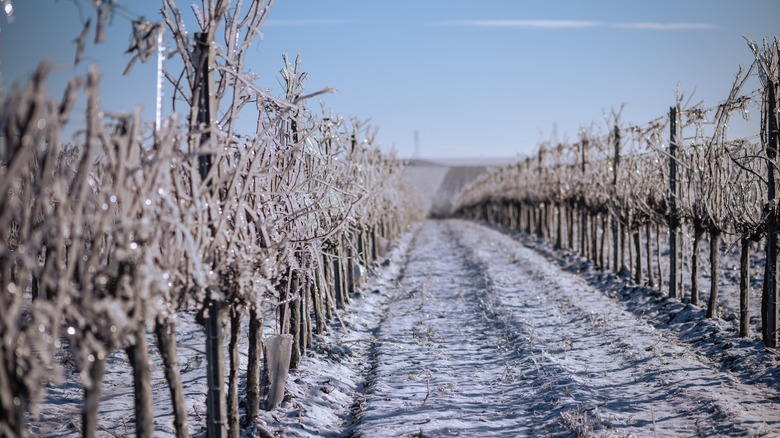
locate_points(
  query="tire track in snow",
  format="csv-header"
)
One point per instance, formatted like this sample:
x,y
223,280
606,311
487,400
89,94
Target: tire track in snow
x,y
487,338
440,367
629,379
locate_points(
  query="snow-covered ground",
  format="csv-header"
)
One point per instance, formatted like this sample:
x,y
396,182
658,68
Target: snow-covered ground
x,y
469,331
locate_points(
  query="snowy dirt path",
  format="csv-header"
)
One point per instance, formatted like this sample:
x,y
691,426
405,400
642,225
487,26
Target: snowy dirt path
x,y
485,337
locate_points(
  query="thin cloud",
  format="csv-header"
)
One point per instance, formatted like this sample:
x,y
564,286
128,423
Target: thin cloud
x,y
528,24
666,26
575,24
308,22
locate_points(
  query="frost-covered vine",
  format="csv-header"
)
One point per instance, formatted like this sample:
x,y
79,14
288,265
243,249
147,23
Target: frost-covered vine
x,y
684,170
108,237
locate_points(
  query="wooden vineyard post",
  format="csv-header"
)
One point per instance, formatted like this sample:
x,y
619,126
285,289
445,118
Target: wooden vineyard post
x,y
583,213
233,415
616,256
295,320
204,100
698,232
602,262
594,238
558,205
744,287
712,302
540,206
637,257
649,252
659,265
673,220
253,366
558,225
570,225
770,286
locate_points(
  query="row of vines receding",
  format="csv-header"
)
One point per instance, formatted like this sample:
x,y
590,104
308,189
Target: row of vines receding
x,y
637,193
110,238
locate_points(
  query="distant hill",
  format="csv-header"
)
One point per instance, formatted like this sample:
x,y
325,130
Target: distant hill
x,y
440,179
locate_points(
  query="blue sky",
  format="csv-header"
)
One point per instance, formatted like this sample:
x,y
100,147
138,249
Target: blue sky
x,y
475,79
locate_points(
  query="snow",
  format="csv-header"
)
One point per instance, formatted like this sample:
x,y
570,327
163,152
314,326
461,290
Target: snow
x,y
470,331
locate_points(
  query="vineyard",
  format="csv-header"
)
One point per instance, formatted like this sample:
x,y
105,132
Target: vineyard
x,y
209,252
114,236
641,199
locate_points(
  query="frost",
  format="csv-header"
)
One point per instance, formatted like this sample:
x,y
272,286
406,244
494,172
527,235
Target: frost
x,y
120,231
